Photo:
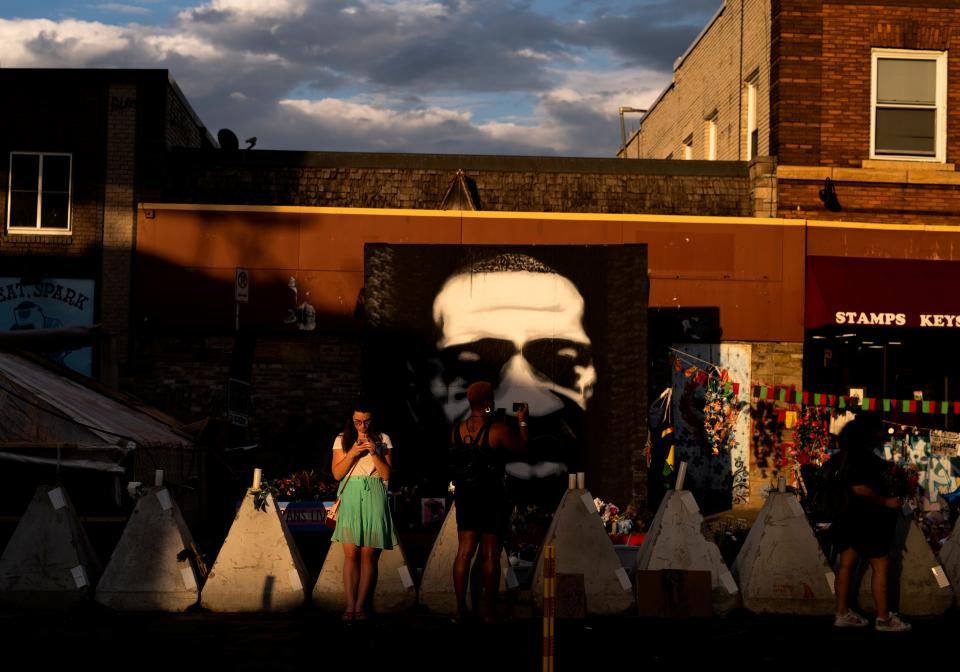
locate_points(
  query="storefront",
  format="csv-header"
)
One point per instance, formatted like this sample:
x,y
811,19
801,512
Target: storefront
x,y
887,328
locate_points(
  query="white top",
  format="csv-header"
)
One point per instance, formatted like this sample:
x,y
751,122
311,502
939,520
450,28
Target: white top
x,y
365,465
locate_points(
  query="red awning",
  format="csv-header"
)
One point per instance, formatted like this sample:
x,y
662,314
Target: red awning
x,y
882,292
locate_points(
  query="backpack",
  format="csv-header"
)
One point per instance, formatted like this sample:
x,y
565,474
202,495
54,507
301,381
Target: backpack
x,y
828,494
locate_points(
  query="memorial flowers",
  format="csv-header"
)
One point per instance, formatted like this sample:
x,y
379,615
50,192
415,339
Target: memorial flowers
x,y
720,410
304,485
811,436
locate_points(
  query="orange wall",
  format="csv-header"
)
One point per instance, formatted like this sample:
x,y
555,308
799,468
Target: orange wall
x,y
751,269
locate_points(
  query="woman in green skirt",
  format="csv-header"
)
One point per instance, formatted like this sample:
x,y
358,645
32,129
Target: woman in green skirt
x,y
361,462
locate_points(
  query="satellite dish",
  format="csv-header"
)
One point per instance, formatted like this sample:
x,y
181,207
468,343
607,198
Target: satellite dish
x,y
228,140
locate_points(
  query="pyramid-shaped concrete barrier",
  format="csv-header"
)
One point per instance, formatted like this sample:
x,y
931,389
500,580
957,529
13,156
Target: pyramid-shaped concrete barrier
x,y
436,585
924,587
675,541
49,562
950,560
259,567
395,591
781,568
144,573
583,547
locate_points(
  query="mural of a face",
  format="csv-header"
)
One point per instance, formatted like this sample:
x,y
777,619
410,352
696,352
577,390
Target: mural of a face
x,y
522,331
562,327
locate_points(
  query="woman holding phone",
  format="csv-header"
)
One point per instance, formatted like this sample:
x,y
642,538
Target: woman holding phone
x,y
361,462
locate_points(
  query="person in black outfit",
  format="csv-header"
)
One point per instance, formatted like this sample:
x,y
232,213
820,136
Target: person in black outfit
x,y
477,464
865,528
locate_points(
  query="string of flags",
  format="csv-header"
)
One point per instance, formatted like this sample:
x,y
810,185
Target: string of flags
x,y
795,396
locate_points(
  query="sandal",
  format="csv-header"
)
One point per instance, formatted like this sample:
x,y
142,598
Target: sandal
x,y
347,616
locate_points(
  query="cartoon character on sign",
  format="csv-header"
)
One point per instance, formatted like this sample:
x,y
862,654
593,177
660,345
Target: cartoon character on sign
x,y
28,315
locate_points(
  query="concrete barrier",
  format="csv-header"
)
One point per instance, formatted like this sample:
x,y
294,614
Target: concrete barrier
x,y
583,547
144,573
950,560
436,585
675,541
259,567
395,591
923,588
781,568
49,562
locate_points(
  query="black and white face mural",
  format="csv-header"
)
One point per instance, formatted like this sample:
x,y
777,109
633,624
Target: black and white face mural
x,y
539,323
518,324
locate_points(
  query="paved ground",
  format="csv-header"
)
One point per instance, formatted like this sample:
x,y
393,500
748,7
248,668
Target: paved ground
x,y
91,637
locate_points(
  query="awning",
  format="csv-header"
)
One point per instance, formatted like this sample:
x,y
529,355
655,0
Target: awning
x,y
905,293
48,416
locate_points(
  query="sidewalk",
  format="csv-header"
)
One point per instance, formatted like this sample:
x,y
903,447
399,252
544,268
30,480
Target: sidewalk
x,y
310,640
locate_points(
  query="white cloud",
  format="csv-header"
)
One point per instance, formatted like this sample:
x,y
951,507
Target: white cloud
x,y
121,9
337,112
44,43
533,54
251,9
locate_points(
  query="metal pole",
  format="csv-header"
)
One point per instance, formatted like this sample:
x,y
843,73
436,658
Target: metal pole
x,y
549,604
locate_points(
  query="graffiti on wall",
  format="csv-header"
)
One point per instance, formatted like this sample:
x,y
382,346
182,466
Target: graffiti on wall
x,y
718,481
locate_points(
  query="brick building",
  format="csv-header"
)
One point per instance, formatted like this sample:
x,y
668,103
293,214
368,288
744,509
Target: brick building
x,y
861,93
848,111
80,149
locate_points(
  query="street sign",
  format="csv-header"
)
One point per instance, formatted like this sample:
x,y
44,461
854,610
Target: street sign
x,y
242,285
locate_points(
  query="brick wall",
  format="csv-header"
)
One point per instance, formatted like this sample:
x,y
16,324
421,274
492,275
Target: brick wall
x,y
518,184
883,203
182,128
41,126
119,215
711,79
771,364
822,69
301,385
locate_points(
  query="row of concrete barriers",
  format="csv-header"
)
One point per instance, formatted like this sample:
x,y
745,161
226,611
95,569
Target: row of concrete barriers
x,y
50,563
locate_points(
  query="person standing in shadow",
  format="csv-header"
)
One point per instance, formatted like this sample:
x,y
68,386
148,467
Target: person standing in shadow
x,y
865,527
477,456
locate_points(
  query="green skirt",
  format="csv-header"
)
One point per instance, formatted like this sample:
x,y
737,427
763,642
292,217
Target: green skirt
x,y
364,517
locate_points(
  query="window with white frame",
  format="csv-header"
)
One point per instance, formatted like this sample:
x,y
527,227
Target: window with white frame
x,y
909,96
710,137
688,148
38,197
753,132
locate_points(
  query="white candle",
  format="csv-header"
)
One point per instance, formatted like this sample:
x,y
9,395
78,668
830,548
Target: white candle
x,y
256,479
580,485
782,485
571,481
681,474
158,477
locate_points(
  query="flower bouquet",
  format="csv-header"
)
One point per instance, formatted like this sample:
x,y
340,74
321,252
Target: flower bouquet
x,y
902,480
305,485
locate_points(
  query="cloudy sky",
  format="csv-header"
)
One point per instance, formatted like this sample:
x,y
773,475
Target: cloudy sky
x,y
444,76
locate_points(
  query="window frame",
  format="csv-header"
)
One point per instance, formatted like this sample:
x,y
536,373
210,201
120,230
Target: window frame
x,y
710,132
38,229
687,147
753,127
939,106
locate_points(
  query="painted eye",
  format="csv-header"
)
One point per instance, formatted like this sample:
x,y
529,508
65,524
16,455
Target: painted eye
x,y
567,352
467,356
